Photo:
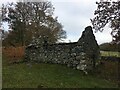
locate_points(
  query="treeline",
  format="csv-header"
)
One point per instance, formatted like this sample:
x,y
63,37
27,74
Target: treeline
x,y
29,21
109,47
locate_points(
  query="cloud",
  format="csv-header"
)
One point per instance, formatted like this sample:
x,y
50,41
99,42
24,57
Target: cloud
x,y
6,1
104,36
75,16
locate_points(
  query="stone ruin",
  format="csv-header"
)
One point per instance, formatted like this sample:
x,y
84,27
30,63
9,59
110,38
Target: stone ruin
x,y
81,55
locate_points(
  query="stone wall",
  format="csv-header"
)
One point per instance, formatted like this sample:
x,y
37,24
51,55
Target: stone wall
x,y
80,55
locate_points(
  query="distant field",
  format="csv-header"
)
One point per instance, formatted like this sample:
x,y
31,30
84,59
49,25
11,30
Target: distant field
x,y
110,53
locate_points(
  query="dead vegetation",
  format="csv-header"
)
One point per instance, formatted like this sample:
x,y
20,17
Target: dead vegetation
x,y
13,54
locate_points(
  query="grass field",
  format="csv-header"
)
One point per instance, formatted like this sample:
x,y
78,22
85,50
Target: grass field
x,y
0,68
49,76
23,75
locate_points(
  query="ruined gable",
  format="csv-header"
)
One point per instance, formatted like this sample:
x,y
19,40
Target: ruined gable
x,y
89,43
79,55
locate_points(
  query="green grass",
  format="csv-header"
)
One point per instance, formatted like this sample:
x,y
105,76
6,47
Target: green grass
x,y
49,76
0,68
110,53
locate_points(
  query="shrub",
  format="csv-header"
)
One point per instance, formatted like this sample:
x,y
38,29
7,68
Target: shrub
x,y
13,54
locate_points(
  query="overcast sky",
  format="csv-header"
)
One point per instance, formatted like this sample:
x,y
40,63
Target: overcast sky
x,y
75,15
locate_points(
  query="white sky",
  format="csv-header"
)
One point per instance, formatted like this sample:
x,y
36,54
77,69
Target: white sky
x,y
75,16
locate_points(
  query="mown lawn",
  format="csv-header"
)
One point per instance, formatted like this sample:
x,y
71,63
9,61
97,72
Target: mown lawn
x,y
49,76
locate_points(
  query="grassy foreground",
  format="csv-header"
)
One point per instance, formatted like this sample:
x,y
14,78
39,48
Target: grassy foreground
x,y
49,76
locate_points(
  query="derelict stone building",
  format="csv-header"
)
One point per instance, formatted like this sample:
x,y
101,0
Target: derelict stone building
x,y
81,55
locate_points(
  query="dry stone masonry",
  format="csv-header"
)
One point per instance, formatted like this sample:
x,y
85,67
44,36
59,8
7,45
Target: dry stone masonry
x,y
80,55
